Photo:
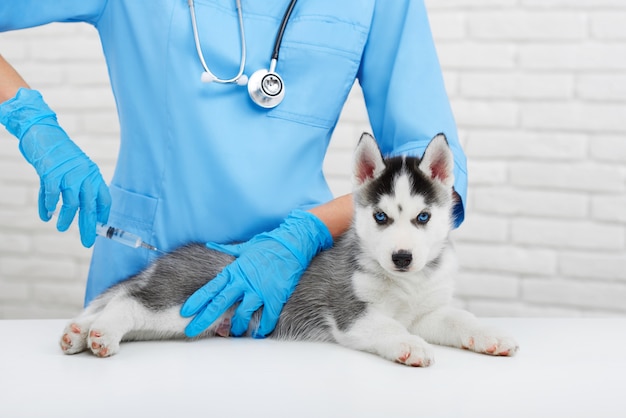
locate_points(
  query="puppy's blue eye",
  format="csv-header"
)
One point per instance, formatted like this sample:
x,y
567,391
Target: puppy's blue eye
x,y
423,217
380,218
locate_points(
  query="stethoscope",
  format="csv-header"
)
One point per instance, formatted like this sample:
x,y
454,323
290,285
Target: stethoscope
x,y
266,87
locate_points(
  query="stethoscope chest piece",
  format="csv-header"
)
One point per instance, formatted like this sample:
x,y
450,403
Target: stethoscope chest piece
x,y
266,88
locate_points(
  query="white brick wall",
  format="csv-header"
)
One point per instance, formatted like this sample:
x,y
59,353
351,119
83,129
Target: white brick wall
x,y
544,126
538,88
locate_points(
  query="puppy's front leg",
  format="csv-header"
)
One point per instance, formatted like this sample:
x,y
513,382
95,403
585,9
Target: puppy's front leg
x,y
459,328
380,334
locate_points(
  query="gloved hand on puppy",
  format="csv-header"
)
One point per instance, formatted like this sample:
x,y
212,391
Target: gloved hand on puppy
x,y
265,273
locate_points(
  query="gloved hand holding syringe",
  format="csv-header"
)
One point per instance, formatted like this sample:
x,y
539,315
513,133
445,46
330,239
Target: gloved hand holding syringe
x,y
121,236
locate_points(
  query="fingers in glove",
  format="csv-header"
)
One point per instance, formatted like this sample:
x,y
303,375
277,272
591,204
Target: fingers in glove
x,y
269,319
203,296
103,203
211,312
92,190
48,200
87,218
69,208
241,320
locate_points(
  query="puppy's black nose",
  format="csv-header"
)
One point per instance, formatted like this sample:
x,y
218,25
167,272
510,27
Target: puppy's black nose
x,y
402,259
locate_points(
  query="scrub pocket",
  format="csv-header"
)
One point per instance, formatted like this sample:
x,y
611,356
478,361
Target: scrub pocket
x,y
133,212
319,59
113,262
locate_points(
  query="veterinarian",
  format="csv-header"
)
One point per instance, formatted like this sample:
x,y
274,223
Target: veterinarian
x,y
222,138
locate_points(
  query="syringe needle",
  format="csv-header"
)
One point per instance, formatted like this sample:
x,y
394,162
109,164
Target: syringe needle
x,y
149,247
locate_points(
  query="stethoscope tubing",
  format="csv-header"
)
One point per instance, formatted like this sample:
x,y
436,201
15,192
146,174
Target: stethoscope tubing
x,y
281,30
242,35
266,87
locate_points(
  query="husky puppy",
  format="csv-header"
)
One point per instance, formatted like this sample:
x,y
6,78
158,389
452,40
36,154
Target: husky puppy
x,y
385,287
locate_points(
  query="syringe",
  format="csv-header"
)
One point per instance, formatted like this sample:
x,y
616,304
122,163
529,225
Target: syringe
x,y
119,235
123,237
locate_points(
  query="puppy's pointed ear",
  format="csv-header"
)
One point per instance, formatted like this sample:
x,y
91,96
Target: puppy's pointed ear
x,y
368,161
438,161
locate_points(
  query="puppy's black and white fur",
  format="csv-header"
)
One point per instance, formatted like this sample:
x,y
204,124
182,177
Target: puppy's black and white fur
x,y
385,287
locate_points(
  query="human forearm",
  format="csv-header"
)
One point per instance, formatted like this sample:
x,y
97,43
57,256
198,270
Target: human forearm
x,y
336,214
10,81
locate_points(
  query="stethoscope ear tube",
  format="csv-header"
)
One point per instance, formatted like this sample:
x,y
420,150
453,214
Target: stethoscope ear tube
x,y
207,75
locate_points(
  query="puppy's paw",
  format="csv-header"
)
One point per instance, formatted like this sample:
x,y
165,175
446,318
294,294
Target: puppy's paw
x,y
102,344
74,339
414,353
490,341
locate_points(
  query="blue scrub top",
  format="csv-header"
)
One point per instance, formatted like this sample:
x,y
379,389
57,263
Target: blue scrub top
x,y
201,162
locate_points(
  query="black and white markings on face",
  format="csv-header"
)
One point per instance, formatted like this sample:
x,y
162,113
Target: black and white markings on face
x,y
401,171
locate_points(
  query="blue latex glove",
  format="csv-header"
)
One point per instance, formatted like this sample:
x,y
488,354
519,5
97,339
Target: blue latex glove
x,y
64,170
265,274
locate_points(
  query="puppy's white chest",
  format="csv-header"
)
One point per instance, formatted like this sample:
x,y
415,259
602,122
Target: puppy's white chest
x,y
402,301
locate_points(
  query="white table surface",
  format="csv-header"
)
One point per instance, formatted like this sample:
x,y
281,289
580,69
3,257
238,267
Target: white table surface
x,y
565,368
